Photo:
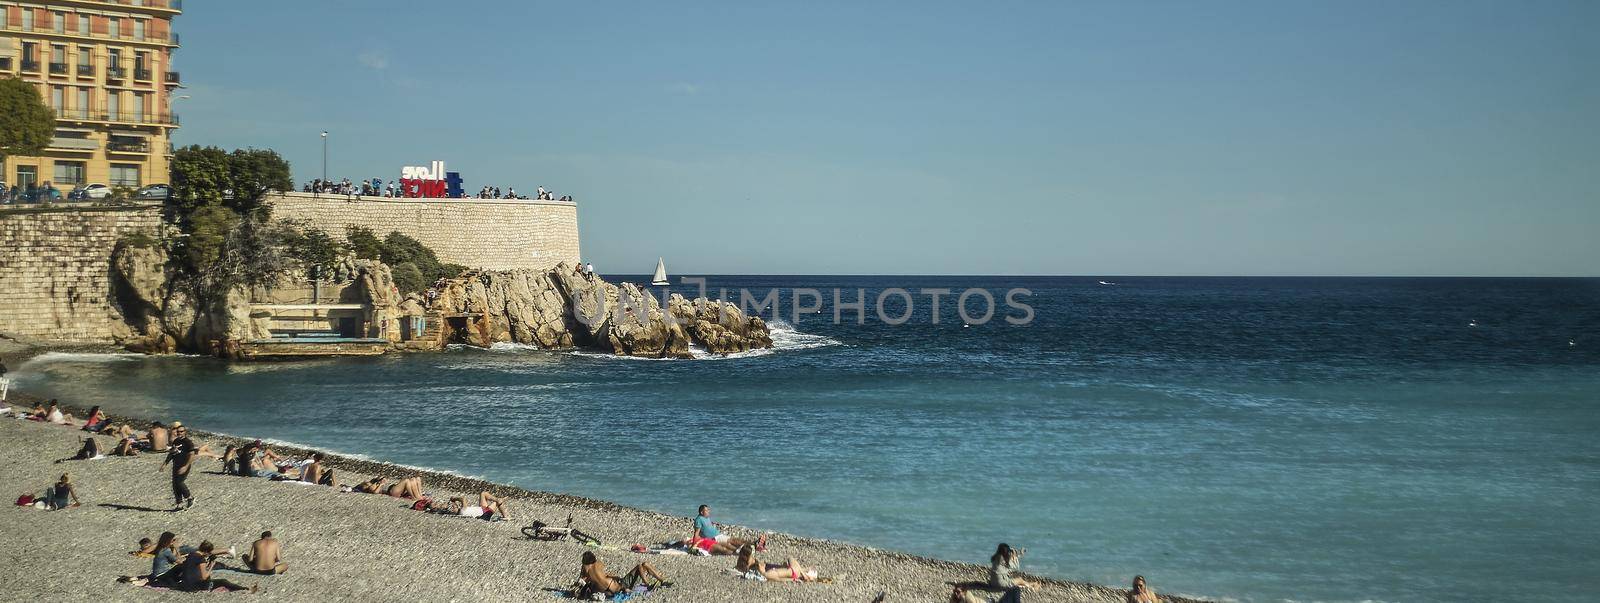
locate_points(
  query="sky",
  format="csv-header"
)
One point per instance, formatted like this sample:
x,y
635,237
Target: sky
x,y
1051,138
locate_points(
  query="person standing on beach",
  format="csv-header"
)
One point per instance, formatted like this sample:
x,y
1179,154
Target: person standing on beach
x,y
182,455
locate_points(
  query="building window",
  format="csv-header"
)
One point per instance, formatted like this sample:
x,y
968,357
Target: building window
x,y
58,54
138,106
27,176
138,30
27,18
113,103
116,27
68,173
83,25
58,21
123,174
83,100
56,92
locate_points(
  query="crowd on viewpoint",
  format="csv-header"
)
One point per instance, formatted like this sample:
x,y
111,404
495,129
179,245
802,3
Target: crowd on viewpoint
x,y
378,188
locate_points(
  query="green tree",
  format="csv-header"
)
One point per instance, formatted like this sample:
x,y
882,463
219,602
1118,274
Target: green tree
x,y
200,176
208,229
26,124
363,243
314,247
254,173
408,279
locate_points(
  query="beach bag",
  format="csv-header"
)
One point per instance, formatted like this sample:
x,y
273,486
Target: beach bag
x,y
24,500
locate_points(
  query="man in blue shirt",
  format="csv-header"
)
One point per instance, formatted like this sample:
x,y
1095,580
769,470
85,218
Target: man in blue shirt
x,y
707,539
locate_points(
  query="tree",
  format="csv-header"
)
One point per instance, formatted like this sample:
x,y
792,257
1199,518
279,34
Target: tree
x,y
200,176
363,243
314,247
254,173
26,124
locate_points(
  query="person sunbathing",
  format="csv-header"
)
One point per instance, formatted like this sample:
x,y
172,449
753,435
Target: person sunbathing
x,y
127,446
790,572
97,420
409,488
58,496
155,440
315,473
90,449
54,415
197,569
593,579
371,486
265,556
489,507
1142,593
711,540
146,550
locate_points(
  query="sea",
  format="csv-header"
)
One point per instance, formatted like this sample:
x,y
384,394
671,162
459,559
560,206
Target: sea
x,y
1243,439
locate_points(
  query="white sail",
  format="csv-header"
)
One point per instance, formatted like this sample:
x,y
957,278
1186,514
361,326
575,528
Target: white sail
x,y
661,273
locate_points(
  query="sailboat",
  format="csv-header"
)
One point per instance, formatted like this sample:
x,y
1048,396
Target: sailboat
x,y
660,279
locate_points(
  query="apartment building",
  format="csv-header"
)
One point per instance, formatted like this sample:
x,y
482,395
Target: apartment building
x,y
105,68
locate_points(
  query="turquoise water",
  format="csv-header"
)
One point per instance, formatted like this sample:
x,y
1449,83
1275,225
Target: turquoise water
x,y
1250,439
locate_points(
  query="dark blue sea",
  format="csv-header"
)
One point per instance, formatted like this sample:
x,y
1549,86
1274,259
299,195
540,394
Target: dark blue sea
x,y
1255,439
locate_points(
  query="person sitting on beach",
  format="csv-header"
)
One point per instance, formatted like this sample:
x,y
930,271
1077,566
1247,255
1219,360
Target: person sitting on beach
x,y
89,450
197,568
593,579
710,540
1141,593
156,438
790,572
54,415
38,412
265,556
1003,566
58,496
315,473
409,488
97,420
165,560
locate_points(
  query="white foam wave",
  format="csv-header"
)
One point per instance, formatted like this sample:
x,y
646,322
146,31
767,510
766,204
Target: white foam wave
x,y
786,337
508,346
83,357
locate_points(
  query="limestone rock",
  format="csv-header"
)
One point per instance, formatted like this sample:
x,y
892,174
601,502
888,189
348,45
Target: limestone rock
x,y
719,326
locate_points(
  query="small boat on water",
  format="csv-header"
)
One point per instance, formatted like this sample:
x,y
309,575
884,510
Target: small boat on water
x,y
660,278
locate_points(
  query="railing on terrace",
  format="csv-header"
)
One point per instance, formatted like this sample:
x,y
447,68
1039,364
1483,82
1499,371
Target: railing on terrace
x,y
28,65
116,73
142,74
128,147
173,78
86,70
5,63
170,119
58,68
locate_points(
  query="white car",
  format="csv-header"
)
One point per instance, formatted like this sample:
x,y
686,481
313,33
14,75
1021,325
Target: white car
x,y
96,191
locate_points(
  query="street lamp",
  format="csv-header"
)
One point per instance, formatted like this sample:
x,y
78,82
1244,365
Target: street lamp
x,y
324,155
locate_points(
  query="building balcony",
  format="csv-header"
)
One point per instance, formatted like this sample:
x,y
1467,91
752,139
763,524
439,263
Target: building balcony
x,y
173,78
128,117
142,74
28,65
141,148
86,71
116,73
5,63
58,68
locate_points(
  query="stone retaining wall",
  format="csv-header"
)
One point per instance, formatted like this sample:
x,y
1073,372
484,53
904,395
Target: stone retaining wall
x,y
55,270
493,234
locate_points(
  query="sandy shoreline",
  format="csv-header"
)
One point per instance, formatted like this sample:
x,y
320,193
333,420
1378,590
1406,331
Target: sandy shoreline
x,y
372,547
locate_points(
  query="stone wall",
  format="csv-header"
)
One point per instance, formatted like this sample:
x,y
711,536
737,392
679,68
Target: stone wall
x,y
55,270
493,234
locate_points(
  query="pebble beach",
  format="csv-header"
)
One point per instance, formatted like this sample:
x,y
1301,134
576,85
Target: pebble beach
x,y
351,546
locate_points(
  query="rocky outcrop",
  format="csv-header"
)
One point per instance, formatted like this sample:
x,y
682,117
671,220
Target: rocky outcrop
x,y
560,308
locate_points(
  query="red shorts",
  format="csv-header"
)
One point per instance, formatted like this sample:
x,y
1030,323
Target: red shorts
x,y
705,544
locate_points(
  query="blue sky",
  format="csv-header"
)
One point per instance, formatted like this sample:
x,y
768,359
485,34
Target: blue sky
x,y
1166,138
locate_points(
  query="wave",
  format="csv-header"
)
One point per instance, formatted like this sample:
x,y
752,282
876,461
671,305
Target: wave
x,y
786,337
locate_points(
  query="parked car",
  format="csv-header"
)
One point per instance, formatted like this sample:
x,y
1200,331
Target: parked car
x,y
89,192
154,191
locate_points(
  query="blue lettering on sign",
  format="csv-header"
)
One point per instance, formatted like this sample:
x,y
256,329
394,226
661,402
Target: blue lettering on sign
x,y
452,183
